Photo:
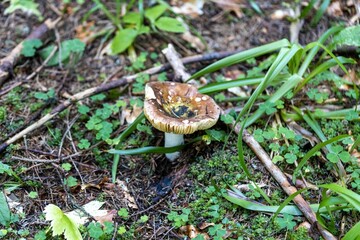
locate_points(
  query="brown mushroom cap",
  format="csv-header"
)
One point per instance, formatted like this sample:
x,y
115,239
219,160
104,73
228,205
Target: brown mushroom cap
x,y
179,108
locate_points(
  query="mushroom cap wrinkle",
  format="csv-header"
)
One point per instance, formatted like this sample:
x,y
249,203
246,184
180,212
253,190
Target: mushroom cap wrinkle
x,y
179,108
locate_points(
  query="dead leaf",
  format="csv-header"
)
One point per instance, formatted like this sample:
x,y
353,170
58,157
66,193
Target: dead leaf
x,y
231,6
335,9
127,196
192,8
194,41
85,31
204,225
89,185
90,209
131,114
192,232
108,217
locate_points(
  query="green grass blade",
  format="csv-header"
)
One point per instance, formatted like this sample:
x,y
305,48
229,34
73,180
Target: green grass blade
x,y
291,83
338,114
288,209
274,69
239,57
287,200
311,45
307,9
352,197
323,67
320,12
310,153
144,150
310,56
353,233
119,140
220,86
356,143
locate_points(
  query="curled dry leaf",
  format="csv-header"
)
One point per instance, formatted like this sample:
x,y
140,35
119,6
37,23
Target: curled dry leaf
x,y
231,6
204,225
108,217
131,114
192,8
194,41
335,9
127,196
90,209
85,31
192,232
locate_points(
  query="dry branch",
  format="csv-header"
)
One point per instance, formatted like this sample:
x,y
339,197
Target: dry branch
x,y
7,63
280,177
105,87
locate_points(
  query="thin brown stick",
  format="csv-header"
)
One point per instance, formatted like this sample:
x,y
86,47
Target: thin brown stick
x,y
7,63
105,87
280,177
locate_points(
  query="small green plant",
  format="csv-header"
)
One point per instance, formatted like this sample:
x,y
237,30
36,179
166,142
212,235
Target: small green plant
x,y
33,195
45,96
29,47
70,53
179,219
62,223
97,231
133,24
70,181
27,6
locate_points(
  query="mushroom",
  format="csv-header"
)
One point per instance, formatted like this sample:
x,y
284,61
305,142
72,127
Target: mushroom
x,y
178,109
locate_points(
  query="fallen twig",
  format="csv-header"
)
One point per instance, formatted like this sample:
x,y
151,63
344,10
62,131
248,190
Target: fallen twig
x,y
280,177
105,87
7,63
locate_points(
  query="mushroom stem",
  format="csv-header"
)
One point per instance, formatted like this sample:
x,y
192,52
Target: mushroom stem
x,y
171,140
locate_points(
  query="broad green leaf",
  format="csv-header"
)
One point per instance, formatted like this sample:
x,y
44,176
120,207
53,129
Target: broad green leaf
x,y
348,36
170,25
27,6
62,223
154,13
29,47
122,40
5,215
132,17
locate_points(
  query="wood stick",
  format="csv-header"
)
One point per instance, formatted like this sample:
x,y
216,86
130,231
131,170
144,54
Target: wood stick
x,y
280,177
105,87
7,63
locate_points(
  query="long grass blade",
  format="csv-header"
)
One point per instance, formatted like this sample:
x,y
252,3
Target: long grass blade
x,y
353,233
239,57
310,56
334,204
220,86
350,196
119,141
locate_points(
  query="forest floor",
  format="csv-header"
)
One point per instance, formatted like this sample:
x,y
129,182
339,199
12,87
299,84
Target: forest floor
x,y
65,160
